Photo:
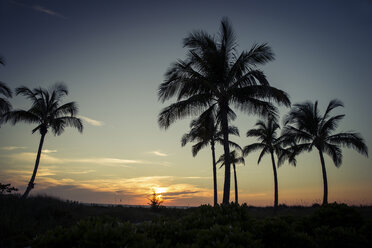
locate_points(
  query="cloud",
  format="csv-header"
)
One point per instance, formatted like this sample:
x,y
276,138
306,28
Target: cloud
x,y
160,154
48,151
48,11
91,121
39,8
46,158
12,148
105,161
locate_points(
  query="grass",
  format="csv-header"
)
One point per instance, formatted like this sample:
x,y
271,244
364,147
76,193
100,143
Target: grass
x,y
23,220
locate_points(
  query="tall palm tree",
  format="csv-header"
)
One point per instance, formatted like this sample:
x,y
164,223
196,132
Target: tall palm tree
x,y
270,143
205,131
5,105
234,159
308,129
214,74
47,113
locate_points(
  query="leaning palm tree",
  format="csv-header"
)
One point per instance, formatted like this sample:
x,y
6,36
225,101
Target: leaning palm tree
x,y
234,159
205,131
47,113
308,129
214,74
270,143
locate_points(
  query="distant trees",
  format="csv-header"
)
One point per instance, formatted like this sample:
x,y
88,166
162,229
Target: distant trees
x,y
214,74
47,112
305,127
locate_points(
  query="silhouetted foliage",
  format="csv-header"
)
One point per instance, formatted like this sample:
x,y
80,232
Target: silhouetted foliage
x,y
215,75
5,105
47,113
155,201
220,226
306,128
7,189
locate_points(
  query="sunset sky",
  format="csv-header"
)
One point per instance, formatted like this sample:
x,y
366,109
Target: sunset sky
x,y
112,55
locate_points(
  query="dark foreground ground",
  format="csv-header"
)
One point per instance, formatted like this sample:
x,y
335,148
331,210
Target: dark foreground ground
x,y
48,222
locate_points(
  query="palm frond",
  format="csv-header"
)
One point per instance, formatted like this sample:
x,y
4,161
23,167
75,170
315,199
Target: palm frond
x,y
28,93
350,140
252,148
5,90
335,152
16,116
60,123
192,106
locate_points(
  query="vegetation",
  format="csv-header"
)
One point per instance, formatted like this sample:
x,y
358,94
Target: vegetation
x,y
308,129
215,76
155,201
47,222
48,113
7,189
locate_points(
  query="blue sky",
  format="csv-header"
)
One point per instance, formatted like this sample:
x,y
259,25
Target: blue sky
x,y
112,55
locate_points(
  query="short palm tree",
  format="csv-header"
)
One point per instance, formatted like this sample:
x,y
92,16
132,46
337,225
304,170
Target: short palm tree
x,y
214,74
308,129
234,159
270,143
205,131
5,105
47,113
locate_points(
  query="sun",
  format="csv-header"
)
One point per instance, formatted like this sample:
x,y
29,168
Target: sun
x,y
159,190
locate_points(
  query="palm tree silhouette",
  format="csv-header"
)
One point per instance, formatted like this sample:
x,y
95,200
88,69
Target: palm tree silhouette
x,y
234,159
307,129
47,112
214,74
5,105
266,132
205,130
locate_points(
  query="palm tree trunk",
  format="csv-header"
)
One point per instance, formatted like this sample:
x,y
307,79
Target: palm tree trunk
x,y
275,183
236,185
325,182
214,175
31,183
226,148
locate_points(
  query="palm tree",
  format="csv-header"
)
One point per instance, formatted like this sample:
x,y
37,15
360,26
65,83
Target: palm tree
x,y
204,130
234,159
46,112
215,75
270,143
307,128
5,105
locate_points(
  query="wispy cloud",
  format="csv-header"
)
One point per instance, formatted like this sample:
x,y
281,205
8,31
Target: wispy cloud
x,y
40,9
157,153
91,121
48,151
48,11
47,158
11,148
